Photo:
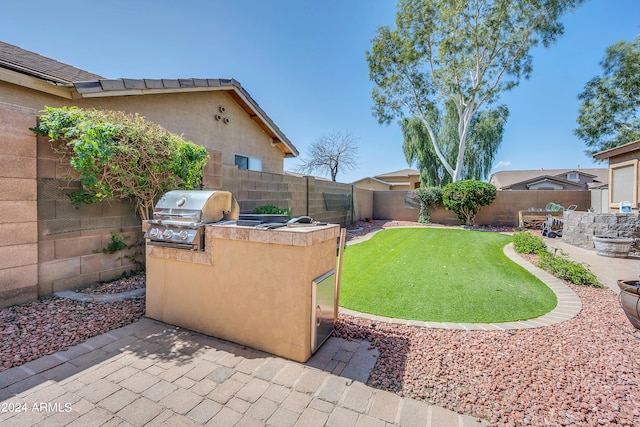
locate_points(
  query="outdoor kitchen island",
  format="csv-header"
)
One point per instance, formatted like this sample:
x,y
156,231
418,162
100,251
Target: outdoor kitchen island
x,y
257,287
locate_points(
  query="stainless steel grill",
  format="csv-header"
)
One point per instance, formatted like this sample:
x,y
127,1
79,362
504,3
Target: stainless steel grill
x,y
179,217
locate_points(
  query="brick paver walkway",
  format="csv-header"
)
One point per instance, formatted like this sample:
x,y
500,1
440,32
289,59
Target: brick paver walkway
x,y
152,374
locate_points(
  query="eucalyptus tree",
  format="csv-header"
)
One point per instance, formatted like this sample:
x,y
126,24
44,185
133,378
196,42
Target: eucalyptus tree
x,y
466,52
484,139
609,112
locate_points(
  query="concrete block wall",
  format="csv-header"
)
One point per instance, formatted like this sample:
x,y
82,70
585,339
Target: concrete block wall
x,y
502,212
317,204
18,206
252,189
304,195
212,176
71,239
297,188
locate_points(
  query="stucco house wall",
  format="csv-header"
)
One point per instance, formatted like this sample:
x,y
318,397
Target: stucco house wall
x,y
624,175
193,115
54,246
190,114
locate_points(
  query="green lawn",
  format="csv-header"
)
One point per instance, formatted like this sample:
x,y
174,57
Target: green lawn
x,y
440,275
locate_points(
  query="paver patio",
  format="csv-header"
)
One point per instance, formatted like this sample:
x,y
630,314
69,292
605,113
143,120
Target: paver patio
x,y
150,373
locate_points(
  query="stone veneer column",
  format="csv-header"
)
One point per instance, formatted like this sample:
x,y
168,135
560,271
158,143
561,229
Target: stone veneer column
x,y
580,227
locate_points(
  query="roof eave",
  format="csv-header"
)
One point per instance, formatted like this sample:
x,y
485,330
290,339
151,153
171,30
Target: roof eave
x,y
546,178
257,114
129,87
616,151
30,82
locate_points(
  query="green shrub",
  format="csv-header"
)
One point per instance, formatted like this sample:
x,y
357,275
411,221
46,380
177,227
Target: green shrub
x,y
565,269
526,243
272,210
121,156
116,244
466,197
427,196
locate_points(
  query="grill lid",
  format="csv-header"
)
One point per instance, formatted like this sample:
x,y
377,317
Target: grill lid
x,y
195,206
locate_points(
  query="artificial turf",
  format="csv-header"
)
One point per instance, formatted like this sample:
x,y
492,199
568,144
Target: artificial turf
x,y
440,275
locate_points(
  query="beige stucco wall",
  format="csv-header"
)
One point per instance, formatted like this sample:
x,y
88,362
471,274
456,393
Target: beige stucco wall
x,y
191,114
18,206
632,158
635,155
250,286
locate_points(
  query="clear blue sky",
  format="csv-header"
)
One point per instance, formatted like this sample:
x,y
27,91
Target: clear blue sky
x,y
304,62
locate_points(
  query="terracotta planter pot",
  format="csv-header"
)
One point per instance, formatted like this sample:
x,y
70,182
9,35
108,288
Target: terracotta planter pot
x,y
629,298
614,247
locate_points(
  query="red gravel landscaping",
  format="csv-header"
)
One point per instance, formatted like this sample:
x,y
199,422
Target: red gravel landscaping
x,y
584,371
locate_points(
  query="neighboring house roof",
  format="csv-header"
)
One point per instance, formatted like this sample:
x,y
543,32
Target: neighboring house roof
x,y
403,173
89,85
616,151
392,178
546,178
507,179
373,179
302,175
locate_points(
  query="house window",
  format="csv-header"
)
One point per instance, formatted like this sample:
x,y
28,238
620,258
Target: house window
x,y
623,183
248,163
573,176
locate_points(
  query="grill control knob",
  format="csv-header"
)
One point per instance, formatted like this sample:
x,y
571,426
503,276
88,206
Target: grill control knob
x,y
153,232
168,234
184,234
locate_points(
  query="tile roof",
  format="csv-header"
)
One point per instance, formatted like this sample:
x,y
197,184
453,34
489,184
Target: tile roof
x,y
504,179
547,178
92,85
118,87
26,62
376,180
400,173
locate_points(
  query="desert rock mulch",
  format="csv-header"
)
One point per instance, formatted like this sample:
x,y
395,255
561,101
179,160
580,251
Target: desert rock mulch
x,y
584,371
126,284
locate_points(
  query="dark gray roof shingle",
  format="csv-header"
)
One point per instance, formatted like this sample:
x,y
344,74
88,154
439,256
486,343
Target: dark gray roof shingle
x,y
85,83
30,63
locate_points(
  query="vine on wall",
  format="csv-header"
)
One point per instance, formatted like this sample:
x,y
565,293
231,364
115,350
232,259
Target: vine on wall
x,y
120,155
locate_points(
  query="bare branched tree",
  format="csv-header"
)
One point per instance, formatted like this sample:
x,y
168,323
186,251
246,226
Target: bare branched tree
x,y
332,153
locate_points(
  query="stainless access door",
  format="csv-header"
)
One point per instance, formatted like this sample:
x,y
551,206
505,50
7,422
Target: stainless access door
x,y
322,309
